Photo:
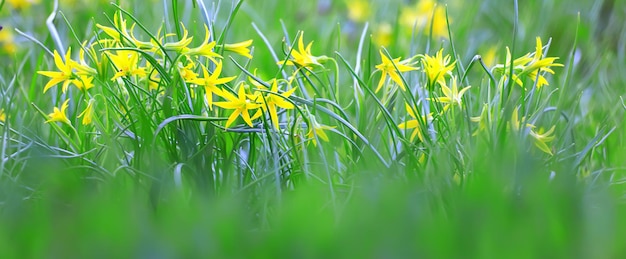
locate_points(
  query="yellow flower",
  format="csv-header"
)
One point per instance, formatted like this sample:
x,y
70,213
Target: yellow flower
x,y
483,120
126,63
437,67
451,95
518,63
152,45
240,104
241,48
205,49
358,10
87,114
21,4
302,56
181,45
541,138
210,83
391,68
58,115
414,123
529,65
490,55
186,72
81,66
81,78
3,116
83,83
254,83
539,63
65,74
382,34
118,32
518,66
7,42
316,129
422,15
516,122
272,100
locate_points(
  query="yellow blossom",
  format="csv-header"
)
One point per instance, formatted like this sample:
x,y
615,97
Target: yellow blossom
x,y
301,56
274,100
181,45
391,68
241,48
424,15
186,71
81,78
518,66
358,10
539,63
451,96
210,83
254,82
7,41
414,123
541,138
81,66
489,56
382,33
205,49
118,32
437,67
483,120
152,45
87,114
516,121
316,129
529,65
65,74
58,115
83,83
3,116
240,105
126,63
21,4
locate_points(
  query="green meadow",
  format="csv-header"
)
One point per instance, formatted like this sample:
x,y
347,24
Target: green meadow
x,y
312,129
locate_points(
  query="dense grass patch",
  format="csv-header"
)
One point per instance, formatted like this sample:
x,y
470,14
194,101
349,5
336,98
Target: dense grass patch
x,y
351,128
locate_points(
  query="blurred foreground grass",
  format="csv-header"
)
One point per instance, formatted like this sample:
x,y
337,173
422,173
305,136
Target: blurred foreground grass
x,y
382,218
469,199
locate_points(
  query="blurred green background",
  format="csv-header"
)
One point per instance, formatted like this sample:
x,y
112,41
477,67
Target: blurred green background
x,y
51,207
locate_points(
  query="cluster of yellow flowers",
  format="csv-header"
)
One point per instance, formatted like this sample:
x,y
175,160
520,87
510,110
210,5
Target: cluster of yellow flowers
x,y
7,41
153,64
528,65
121,50
139,63
423,16
21,4
8,44
27,4
438,69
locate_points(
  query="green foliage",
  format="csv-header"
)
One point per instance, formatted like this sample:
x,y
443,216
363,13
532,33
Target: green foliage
x,y
351,128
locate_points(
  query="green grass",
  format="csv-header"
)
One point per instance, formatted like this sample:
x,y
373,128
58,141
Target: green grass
x,y
157,173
